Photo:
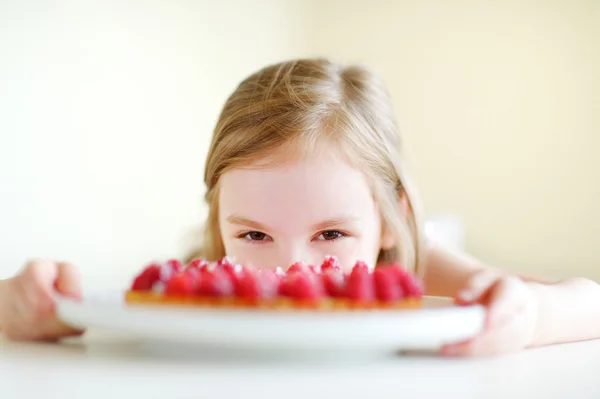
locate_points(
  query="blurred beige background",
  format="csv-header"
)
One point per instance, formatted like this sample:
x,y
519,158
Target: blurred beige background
x,y
106,110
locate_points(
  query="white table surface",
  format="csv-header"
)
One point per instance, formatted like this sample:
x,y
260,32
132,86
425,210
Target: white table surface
x,y
108,366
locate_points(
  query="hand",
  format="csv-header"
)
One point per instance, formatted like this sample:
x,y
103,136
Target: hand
x,y
27,307
511,316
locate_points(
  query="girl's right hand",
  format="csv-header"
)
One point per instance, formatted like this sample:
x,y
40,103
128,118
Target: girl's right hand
x,y
27,306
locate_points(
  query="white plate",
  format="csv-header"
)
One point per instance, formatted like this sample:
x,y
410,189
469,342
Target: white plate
x,y
387,330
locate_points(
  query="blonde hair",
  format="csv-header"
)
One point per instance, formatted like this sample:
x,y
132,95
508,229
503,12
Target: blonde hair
x,y
300,104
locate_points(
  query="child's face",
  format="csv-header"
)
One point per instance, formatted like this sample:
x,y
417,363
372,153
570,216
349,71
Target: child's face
x,y
301,211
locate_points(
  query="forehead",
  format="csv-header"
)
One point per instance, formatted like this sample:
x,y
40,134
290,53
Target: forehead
x,y
299,192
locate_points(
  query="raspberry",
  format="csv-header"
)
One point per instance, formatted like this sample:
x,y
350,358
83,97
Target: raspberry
x,y
269,281
285,285
198,264
226,261
362,266
254,284
180,284
236,274
410,284
359,286
387,287
168,268
248,286
147,278
303,267
298,267
303,285
279,272
215,283
174,264
330,262
192,273
233,270
333,282
165,273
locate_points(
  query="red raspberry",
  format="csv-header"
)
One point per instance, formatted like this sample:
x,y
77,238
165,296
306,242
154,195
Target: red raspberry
x,y
180,284
279,272
285,285
333,282
270,281
169,268
387,287
198,264
410,283
330,262
359,286
303,267
165,273
175,265
193,273
255,284
233,271
146,279
303,285
361,265
236,274
248,286
298,267
226,261
215,283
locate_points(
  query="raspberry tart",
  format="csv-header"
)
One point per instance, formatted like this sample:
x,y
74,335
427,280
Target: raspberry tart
x,y
225,284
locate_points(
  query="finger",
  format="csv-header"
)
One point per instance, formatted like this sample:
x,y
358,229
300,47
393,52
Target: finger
x,y
40,274
31,319
29,307
476,288
34,316
49,328
501,298
35,286
493,342
68,283
504,301
68,280
52,328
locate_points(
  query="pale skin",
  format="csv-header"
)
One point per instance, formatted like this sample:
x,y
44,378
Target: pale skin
x,y
318,206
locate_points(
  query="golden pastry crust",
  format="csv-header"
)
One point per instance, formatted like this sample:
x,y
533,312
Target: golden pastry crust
x,y
279,303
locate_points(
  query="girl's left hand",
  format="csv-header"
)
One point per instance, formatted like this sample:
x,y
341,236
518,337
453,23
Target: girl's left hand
x,y
510,320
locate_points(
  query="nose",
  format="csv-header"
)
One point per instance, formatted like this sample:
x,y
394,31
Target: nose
x,y
297,252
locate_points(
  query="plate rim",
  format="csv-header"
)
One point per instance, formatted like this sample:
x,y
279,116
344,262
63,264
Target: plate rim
x,y
226,326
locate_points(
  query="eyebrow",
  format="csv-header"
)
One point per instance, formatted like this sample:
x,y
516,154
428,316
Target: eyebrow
x,y
334,222
328,223
242,221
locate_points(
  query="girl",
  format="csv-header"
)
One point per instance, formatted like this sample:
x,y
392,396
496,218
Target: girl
x,y
305,161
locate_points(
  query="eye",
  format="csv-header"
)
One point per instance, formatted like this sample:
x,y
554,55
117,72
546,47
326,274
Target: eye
x,y
330,235
255,236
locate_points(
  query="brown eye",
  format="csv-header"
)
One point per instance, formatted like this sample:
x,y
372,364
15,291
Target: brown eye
x,y
330,235
256,236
